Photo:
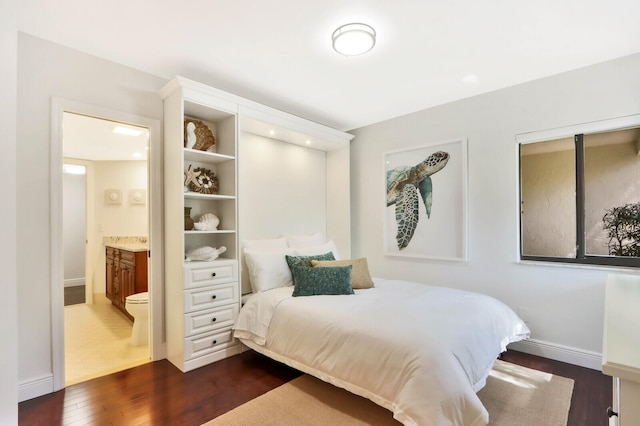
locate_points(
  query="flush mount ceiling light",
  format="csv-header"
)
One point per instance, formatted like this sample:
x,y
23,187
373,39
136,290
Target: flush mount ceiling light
x,y
353,39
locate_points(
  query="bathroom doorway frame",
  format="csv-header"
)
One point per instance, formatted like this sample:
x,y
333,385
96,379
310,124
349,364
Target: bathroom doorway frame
x,y
59,106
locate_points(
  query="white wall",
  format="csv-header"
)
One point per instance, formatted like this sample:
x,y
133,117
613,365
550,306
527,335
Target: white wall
x,y
8,283
282,189
44,70
563,305
73,214
115,220
276,181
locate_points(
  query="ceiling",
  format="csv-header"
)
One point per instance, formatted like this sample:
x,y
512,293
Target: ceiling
x,y
278,52
90,138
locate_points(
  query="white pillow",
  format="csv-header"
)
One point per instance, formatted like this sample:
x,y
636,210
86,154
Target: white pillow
x,y
329,246
273,244
303,241
268,269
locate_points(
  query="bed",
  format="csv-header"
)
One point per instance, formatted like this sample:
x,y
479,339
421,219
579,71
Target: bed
x,y
420,351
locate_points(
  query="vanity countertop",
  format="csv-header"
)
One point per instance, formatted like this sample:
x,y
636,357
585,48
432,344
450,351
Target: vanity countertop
x,y
127,243
129,246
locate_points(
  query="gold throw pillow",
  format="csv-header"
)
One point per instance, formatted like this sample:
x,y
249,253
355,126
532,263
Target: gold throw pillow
x,y
360,277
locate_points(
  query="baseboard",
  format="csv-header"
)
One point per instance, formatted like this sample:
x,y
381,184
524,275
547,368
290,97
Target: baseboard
x,y
161,354
575,356
74,282
35,387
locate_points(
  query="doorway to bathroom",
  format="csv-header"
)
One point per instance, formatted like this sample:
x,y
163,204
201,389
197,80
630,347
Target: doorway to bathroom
x,y
95,232
105,209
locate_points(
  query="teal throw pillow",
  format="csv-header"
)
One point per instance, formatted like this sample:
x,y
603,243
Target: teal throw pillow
x,y
321,281
306,260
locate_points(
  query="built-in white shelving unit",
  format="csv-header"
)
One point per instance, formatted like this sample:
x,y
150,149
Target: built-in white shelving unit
x,y
203,298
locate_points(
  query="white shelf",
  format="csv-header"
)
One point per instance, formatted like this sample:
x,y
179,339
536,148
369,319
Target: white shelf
x,y
205,156
199,196
217,231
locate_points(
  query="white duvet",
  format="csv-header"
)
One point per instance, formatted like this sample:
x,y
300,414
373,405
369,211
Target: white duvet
x,y
420,351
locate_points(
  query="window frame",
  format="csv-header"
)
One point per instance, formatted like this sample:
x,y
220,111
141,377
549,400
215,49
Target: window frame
x,y
577,132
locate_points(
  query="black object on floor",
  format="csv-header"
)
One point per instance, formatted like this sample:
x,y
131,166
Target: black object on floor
x,y
74,295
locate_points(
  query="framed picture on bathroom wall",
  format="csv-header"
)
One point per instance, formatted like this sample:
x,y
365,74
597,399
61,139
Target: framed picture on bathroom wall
x,y
113,196
138,196
425,197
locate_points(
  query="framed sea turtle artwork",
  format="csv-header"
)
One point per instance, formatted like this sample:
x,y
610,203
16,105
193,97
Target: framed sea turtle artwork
x,y
425,199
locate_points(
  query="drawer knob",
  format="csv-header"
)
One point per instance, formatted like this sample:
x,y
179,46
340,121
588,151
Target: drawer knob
x,y
214,319
610,412
213,297
213,274
215,341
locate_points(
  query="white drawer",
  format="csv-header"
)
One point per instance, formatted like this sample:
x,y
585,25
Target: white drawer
x,y
204,344
209,320
210,275
210,297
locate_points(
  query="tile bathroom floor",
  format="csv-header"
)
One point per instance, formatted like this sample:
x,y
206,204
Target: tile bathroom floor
x,y
97,341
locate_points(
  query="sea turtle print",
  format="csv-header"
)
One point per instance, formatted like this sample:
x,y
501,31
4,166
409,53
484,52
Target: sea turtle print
x,y
403,184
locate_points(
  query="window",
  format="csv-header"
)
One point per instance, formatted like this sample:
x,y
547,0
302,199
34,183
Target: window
x,y
580,194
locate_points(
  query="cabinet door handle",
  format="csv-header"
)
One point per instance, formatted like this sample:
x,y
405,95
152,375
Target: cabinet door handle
x,y
213,297
213,274
215,341
214,319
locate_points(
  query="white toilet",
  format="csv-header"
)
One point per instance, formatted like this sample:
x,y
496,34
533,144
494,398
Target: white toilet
x,y
138,306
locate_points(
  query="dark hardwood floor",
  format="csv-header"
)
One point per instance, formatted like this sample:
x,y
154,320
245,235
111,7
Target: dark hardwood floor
x,y
159,394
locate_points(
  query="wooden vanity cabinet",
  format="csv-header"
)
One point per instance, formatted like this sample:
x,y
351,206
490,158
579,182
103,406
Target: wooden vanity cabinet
x,y
126,274
111,263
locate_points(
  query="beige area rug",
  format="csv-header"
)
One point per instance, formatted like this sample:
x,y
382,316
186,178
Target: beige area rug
x,y
514,395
